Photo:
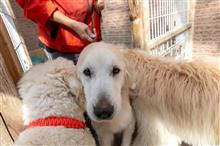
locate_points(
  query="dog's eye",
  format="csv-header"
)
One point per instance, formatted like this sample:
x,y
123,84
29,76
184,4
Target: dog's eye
x,y
87,72
115,70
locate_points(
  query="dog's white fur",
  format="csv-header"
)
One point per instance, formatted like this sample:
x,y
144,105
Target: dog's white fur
x,y
94,57
52,89
170,97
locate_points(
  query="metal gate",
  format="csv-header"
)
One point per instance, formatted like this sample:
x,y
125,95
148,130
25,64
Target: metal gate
x,y
168,22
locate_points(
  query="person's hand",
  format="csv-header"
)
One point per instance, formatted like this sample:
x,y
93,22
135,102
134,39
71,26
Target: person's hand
x,y
99,5
80,28
84,31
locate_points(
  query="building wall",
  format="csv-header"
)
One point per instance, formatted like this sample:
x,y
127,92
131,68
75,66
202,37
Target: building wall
x,y
206,40
26,27
116,25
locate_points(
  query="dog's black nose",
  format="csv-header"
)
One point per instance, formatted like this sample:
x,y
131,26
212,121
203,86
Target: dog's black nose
x,y
103,110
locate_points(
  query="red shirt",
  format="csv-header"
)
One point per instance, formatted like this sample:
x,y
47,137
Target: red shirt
x,y
55,35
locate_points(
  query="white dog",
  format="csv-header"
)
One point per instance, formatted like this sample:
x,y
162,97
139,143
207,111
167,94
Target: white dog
x,y
103,76
53,106
170,98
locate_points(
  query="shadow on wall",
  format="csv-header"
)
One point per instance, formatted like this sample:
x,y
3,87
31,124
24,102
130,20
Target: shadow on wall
x,y
116,25
206,39
27,28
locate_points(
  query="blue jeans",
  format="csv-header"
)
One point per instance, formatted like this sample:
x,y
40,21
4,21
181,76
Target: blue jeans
x,y
53,54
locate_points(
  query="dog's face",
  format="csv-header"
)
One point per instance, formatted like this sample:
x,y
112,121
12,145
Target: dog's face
x,y
102,73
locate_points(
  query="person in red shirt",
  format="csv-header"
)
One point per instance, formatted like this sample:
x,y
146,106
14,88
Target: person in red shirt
x,y
65,27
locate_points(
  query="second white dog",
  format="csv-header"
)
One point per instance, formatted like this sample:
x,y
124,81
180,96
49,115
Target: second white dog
x,y
53,106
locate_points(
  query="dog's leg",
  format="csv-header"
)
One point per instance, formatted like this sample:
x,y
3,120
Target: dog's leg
x,y
217,133
105,137
128,133
152,132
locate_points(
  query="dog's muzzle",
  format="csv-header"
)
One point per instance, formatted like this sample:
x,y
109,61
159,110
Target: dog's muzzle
x,y
103,110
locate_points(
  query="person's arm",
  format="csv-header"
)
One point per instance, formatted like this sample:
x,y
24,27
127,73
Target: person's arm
x,y
39,11
80,28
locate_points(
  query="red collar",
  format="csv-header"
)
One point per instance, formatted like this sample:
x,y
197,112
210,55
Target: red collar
x,y
58,121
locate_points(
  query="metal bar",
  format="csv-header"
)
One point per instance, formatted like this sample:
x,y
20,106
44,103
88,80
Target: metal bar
x,y
172,14
155,25
161,9
156,42
168,14
170,19
157,9
154,18
162,18
175,15
165,13
151,24
171,49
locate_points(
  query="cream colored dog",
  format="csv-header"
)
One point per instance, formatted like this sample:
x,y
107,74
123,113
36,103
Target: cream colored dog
x,y
105,86
171,99
179,97
53,99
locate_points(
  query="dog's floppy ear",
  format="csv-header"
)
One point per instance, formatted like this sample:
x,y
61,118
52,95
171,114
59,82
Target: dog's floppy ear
x,y
76,90
127,76
130,85
74,85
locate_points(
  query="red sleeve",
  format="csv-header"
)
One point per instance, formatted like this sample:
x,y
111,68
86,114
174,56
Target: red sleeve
x,y
20,2
38,11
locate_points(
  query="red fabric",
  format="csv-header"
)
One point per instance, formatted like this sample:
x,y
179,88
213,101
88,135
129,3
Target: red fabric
x,y
58,121
39,11
20,2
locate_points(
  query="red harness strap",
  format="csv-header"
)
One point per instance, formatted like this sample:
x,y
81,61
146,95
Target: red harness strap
x,y
58,121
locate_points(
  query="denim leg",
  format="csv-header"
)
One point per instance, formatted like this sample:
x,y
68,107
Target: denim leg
x,y
70,56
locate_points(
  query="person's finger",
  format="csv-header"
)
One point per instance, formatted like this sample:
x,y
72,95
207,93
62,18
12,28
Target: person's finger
x,y
88,38
94,32
91,35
